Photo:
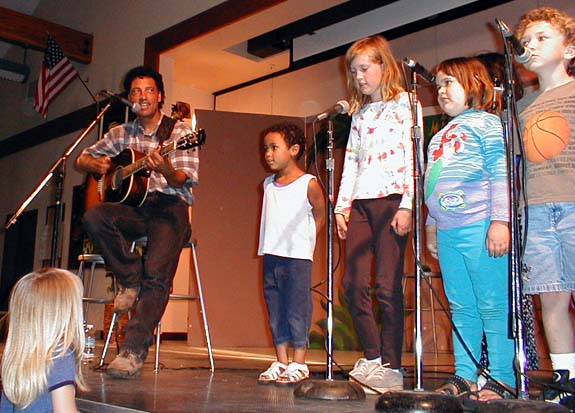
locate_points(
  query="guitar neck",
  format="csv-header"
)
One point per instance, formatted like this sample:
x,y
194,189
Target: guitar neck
x,y
140,164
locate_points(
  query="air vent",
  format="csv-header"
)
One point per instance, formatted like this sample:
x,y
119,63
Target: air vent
x,y
268,44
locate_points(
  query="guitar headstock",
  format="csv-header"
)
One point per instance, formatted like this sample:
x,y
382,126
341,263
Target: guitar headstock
x,y
180,111
191,140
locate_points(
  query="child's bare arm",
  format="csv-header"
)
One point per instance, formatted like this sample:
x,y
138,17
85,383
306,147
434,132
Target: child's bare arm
x,y
317,201
431,239
64,399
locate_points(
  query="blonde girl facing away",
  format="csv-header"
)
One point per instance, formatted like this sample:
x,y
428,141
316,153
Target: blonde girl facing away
x,y
42,358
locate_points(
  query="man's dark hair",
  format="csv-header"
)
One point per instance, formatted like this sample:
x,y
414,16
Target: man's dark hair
x,y
291,133
144,71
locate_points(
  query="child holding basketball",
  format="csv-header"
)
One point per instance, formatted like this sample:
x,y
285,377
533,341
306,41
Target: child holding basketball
x,y
466,192
548,119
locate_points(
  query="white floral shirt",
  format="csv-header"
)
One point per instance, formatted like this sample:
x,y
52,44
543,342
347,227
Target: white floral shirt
x,y
379,154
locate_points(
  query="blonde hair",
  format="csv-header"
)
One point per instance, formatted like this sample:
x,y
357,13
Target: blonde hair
x,y
379,52
45,322
471,73
559,20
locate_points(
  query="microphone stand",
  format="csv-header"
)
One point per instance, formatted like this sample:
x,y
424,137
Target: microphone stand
x,y
329,389
330,166
59,169
417,138
417,401
509,121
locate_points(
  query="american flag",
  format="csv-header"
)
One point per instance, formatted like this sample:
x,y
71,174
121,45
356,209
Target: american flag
x,y
57,72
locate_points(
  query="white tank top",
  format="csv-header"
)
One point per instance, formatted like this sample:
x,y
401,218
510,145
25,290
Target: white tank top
x,y
287,227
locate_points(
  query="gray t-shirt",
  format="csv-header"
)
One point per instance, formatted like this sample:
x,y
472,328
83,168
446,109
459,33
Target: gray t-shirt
x,y
552,180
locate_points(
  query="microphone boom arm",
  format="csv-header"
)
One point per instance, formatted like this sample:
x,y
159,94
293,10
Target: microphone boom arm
x,y
60,163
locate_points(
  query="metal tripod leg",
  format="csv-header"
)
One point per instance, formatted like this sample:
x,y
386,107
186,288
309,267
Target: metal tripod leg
x,y
203,307
108,338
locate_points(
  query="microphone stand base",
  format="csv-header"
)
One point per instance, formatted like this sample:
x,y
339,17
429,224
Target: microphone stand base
x,y
418,402
518,405
329,390
425,401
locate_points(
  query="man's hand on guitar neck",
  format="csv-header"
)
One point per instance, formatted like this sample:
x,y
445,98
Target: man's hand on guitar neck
x,y
87,163
162,165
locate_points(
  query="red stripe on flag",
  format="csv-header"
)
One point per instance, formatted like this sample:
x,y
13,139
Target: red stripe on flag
x,y
57,72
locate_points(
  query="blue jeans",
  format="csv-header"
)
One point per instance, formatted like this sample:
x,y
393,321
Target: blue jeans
x,y
287,290
550,250
477,287
111,227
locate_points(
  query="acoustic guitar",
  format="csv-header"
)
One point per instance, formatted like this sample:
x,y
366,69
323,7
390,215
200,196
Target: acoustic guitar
x,y
127,181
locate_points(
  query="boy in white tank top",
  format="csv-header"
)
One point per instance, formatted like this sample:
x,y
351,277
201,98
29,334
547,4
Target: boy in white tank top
x,y
293,213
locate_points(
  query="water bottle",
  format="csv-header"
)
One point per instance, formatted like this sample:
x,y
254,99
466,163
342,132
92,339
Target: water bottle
x,y
90,344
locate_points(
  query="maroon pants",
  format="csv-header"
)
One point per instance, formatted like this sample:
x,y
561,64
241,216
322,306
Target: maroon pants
x,y
373,246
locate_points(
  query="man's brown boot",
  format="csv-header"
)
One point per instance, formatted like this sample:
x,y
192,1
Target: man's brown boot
x,y
126,299
126,365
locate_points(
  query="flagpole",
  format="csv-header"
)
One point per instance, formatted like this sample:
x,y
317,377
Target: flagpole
x,y
88,89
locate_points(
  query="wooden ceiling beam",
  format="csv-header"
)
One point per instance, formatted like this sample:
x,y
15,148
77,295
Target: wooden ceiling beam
x,y
30,31
208,21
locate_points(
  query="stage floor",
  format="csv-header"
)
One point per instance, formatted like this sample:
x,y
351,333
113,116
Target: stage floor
x,y
186,384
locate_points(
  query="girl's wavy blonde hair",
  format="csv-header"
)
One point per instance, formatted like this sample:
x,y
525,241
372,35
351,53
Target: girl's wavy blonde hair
x,y
45,322
379,52
561,21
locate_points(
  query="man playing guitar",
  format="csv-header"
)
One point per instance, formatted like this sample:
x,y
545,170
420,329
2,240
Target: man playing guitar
x,y
162,215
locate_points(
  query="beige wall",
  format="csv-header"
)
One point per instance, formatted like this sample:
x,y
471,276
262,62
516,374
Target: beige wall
x,y
311,90
119,45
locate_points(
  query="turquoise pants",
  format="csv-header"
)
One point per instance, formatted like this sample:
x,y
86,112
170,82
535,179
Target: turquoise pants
x,y
477,287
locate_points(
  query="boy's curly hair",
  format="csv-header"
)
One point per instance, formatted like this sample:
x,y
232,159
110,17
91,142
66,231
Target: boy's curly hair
x,y
558,19
292,134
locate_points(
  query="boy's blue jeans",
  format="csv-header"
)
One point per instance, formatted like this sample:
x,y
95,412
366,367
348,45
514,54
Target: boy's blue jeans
x,y
477,287
287,290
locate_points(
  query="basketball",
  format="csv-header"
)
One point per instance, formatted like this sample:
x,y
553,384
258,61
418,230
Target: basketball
x,y
545,135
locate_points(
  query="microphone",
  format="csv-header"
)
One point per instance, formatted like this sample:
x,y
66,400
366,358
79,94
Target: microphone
x,y
522,55
340,107
420,70
134,107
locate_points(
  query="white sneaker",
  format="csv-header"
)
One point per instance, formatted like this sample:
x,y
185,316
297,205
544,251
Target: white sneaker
x,y
383,380
363,368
